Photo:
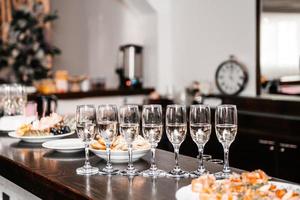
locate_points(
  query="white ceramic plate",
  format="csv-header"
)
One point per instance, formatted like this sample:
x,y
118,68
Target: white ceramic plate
x,y
121,156
12,123
38,139
287,186
185,193
70,145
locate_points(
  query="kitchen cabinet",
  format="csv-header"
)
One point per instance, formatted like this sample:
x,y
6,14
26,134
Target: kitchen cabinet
x,y
278,157
256,147
267,137
254,153
288,160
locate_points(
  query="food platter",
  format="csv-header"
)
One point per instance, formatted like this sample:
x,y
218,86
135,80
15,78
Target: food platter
x,y
186,193
119,150
38,139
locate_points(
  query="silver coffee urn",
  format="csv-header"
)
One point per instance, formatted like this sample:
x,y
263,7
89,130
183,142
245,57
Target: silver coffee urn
x,y
130,67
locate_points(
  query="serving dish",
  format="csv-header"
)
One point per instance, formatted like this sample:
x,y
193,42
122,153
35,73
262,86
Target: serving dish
x,y
119,156
38,139
186,193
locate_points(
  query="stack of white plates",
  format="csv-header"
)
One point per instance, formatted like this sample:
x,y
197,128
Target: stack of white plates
x,y
12,123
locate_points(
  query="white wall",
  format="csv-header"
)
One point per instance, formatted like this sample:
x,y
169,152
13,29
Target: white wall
x,y
206,32
69,35
89,34
183,40
164,77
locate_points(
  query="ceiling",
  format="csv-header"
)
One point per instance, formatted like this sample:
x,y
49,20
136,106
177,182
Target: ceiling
x,y
281,5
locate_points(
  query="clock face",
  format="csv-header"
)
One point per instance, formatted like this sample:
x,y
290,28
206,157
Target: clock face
x,y
231,77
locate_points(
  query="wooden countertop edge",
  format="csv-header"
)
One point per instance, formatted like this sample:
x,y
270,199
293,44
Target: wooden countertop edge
x,y
99,93
35,183
275,105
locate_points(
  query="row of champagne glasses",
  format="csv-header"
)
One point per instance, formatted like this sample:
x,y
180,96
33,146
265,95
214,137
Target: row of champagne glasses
x,y
152,127
106,119
13,99
226,123
200,130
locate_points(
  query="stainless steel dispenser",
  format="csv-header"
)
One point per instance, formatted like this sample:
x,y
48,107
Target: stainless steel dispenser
x,y
130,67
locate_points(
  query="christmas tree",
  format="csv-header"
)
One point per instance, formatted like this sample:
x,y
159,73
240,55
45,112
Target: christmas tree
x,y
27,50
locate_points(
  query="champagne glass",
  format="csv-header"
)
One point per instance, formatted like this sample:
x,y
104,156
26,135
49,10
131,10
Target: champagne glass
x,y
85,124
129,119
152,131
200,129
176,127
107,120
226,129
9,106
20,98
2,99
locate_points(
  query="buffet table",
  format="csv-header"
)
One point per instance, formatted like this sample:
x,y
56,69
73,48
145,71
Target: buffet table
x,y
51,175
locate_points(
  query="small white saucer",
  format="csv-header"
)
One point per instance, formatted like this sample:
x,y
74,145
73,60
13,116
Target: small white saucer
x,y
70,145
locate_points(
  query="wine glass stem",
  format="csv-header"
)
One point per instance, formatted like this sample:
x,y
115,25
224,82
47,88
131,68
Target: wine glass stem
x,y
130,180
154,188
201,165
176,151
130,165
153,165
108,164
87,162
226,168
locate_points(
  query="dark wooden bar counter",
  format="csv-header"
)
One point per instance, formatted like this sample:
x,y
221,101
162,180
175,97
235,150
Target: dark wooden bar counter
x,y
51,175
99,93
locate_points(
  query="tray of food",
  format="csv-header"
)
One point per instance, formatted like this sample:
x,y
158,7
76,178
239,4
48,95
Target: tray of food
x,y
119,150
47,128
248,185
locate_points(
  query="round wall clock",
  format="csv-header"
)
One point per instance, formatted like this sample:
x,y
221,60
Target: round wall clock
x,y
231,77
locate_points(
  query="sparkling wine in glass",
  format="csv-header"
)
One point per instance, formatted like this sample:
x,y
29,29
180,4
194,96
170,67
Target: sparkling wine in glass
x,y
129,119
176,128
200,129
152,128
20,98
226,130
107,121
85,124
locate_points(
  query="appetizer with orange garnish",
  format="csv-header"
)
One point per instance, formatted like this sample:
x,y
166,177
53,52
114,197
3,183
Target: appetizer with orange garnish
x,y
246,186
255,177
